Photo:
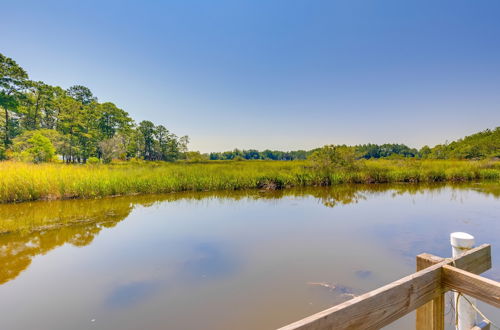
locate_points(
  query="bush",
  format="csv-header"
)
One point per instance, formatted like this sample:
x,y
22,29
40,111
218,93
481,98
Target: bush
x,y
22,142
41,149
195,157
93,161
332,157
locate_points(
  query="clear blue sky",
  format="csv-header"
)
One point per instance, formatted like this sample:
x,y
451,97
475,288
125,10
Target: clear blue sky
x,y
273,74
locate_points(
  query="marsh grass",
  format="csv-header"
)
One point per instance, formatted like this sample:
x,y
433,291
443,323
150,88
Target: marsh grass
x,y
27,182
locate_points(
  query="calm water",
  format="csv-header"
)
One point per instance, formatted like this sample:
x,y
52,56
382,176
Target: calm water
x,y
245,260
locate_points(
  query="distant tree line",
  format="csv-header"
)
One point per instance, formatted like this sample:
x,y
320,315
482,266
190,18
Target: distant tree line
x,y
368,151
38,121
485,144
237,154
362,151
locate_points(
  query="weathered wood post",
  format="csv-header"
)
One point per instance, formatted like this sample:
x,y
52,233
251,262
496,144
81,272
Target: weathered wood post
x,y
431,315
461,242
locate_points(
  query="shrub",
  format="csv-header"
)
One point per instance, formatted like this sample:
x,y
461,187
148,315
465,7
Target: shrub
x,y
333,157
195,157
93,161
41,149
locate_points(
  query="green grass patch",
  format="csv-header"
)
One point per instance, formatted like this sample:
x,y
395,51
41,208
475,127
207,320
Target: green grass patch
x,y
26,182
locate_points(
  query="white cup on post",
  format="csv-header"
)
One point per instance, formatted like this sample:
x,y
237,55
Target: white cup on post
x,y
461,242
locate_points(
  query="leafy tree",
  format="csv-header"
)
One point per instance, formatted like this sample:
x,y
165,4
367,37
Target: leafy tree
x,y
147,139
111,120
425,151
183,144
82,94
13,80
112,148
41,149
72,123
173,148
21,143
162,136
38,106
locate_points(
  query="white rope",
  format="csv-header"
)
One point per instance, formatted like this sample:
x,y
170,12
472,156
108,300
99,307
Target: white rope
x,y
459,294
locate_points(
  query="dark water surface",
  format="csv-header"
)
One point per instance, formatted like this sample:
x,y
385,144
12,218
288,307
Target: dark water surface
x,y
228,260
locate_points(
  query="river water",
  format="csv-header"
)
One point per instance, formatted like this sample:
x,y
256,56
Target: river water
x,y
227,260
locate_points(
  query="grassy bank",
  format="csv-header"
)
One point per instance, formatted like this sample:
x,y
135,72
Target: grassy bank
x,y
25,182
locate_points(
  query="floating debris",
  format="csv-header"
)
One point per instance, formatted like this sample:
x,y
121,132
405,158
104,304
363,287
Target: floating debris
x,y
322,284
341,290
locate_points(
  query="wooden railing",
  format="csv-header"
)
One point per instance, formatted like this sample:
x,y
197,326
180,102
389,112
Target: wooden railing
x,y
422,291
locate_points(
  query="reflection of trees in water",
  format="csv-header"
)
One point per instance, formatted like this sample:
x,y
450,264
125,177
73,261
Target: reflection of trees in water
x,y
52,225
340,195
17,249
485,188
353,193
30,229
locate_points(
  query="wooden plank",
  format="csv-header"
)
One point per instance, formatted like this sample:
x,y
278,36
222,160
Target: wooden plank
x,y
476,263
425,260
473,285
380,307
484,325
377,308
431,315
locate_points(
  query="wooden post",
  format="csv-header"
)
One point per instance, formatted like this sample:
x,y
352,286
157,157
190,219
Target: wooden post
x,y
431,315
461,242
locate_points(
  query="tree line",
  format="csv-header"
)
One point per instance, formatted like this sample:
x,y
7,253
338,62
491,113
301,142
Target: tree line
x,y
485,144
481,145
250,154
366,151
39,121
363,151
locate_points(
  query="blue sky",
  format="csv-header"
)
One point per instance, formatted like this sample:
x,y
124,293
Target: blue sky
x,y
273,74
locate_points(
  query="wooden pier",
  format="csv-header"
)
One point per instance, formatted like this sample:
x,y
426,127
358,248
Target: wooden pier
x,y
422,291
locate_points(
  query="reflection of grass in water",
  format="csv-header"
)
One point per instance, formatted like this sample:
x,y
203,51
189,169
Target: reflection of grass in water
x,y
39,215
25,182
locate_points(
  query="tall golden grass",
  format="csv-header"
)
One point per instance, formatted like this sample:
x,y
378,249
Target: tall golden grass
x,y
26,182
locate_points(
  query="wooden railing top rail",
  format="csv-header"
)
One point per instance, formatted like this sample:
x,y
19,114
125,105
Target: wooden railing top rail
x,y
382,306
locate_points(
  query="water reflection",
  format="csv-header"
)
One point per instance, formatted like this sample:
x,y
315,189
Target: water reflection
x,y
30,229
130,294
36,228
208,260
202,254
